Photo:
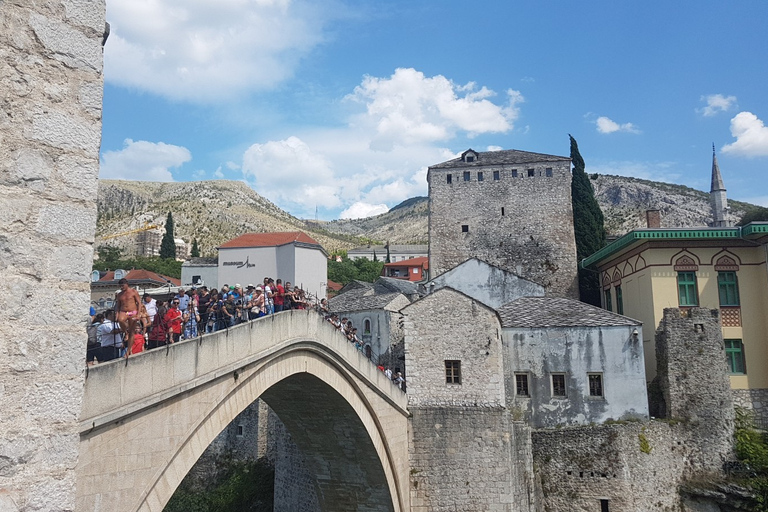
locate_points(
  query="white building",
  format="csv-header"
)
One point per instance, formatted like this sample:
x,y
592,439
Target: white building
x,y
396,252
291,256
200,271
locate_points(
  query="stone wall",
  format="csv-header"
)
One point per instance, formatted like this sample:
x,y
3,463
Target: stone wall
x,y
50,133
636,467
473,459
755,400
533,237
693,378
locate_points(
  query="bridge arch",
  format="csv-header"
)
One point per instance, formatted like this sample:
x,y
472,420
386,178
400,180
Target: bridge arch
x,y
349,421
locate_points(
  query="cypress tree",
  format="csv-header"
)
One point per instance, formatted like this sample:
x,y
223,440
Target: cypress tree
x,y
587,226
168,245
195,253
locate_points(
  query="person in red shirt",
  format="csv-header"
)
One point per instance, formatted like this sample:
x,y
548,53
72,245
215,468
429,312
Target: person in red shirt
x,y
137,343
173,321
279,296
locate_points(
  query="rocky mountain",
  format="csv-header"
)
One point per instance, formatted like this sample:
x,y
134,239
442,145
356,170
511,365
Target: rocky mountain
x,y
217,211
211,211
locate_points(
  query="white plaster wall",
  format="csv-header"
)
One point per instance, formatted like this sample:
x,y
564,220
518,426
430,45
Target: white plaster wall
x,y
576,351
264,260
490,285
209,274
311,271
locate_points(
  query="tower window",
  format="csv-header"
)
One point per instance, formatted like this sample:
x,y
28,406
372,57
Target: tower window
x,y
558,385
521,384
595,384
502,211
466,175
479,175
449,178
465,228
514,173
496,175
549,172
240,430
452,372
531,173
470,158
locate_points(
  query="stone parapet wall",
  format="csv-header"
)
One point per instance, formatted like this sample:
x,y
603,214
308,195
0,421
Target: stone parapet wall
x,y
50,133
534,236
636,467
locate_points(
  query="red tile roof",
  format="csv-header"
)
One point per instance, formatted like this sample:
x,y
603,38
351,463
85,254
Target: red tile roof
x,y
268,240
332,285
143,276
421,261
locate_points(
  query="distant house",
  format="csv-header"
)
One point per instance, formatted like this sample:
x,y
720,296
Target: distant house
x,y
103,290
396,252
333,288
200,271
291,256
414,269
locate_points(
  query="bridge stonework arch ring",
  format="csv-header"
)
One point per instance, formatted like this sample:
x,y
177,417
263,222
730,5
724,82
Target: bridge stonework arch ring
x,y
146,421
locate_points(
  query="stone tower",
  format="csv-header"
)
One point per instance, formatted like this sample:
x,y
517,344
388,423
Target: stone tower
x,y
720,217
509,208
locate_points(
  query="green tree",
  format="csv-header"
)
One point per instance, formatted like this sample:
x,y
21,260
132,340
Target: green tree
x,y
168,245
167,267
758,214
195,253
347,270
368,270
588,226
109,255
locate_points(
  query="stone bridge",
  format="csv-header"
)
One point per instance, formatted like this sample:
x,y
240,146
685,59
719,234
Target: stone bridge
x,y
146,420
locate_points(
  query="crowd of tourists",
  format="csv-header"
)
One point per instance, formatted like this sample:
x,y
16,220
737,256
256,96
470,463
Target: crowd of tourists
x,y
138,324
350,331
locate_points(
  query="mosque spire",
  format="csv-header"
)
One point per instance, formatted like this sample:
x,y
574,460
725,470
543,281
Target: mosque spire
x,y
717,179
717,196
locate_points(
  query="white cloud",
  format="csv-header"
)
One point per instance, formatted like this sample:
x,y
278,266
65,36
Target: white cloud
x,y
407,119
360,210
751,136
716,103
218,174
494,148
232,166
607,125
142,160
409,108
206,51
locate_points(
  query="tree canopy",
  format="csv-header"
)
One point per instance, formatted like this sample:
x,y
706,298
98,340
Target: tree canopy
x,y
588,225
168,245
348,270
195,252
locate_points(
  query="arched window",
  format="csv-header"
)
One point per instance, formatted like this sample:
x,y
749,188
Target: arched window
x,y
367,326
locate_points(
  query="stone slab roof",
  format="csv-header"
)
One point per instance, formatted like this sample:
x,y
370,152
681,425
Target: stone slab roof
x,y
390,284
533,312
360,299
506,157
392,248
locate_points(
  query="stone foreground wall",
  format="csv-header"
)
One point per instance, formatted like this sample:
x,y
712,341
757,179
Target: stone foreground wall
x,y
50,133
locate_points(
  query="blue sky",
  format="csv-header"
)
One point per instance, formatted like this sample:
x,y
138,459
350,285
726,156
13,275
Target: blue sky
x,y
341,105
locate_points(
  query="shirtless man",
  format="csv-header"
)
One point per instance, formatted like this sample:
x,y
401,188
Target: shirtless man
x,y
128,307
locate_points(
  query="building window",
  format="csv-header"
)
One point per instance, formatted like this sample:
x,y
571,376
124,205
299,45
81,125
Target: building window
x,y
502,211
531,173
686,289
549,172
734,353
521,384
619,301
479,175
604,506
449,178
595,384
240,430
470,159
514,173
558,384
729,288
465,228
607,296
496,175
452,372
367,326
466,175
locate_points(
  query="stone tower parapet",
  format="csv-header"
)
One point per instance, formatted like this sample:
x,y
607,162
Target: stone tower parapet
x,y
692,375
50,133
511,209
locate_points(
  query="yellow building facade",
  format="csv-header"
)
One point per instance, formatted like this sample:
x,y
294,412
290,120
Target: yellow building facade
x,y
648,270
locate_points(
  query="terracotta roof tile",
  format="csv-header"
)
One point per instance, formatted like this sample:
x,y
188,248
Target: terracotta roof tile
x,y
268,239
421,261
141,275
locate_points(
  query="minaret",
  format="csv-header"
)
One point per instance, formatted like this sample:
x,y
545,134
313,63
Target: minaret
x,y
720,217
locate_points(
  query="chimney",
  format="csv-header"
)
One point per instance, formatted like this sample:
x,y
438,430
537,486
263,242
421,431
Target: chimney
x,y
653,218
